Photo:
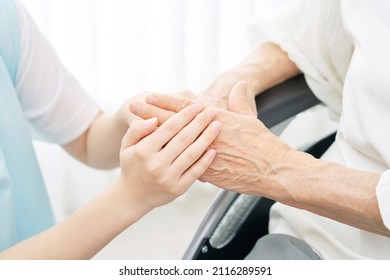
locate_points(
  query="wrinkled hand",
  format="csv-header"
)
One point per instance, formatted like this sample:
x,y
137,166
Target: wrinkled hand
x,y
238,93
159,164
248,154
218,93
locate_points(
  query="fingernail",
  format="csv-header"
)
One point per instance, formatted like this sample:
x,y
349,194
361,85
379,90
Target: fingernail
x,y
196,108
149,122
211,154
216,126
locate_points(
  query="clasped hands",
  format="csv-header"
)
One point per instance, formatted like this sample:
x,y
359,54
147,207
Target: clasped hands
x,y
248,155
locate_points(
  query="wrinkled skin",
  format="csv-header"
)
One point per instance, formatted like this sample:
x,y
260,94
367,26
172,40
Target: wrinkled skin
x,y
247,152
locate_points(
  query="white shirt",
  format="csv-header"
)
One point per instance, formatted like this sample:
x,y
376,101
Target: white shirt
x,y
342,47
57,109
56,106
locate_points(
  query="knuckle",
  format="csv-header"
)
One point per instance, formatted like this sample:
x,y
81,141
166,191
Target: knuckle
x,y
140,152
184,103
144,110
165,117
148,111
154,169
172,189
192,155
185,139
171,127
165,182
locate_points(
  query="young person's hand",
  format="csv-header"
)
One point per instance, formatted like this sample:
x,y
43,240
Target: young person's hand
x,y
159,164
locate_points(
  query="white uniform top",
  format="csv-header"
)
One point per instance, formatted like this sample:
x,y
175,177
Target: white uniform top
x,y
342,47
53,102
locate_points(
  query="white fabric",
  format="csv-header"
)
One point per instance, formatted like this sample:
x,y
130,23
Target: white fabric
x,y
54,103
342,48
383,195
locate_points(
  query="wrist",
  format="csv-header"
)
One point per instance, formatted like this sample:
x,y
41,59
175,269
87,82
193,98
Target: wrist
x,y
294,178
250,72
271,66
279,169
127,206
123,115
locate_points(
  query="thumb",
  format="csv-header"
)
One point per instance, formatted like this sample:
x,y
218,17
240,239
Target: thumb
x,y
239,100
138,129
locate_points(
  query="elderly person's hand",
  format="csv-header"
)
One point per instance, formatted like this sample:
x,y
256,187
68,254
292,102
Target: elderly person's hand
x,y
249,155
265,67
251,160
164,106
247,152
217,94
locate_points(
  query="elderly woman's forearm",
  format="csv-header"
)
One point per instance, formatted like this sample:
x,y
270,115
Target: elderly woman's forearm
x,y
273,66
330,190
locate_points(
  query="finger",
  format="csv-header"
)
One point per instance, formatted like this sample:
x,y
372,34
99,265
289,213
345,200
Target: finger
x,y
239,100
187,136
197,169
172,126
202,180
146,111
168,102
188,157
138,129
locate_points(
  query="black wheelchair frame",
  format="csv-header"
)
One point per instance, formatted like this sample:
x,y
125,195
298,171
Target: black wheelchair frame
x,y
236,221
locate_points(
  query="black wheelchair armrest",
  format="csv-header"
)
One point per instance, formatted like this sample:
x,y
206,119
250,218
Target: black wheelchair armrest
x,y
235,221
284,101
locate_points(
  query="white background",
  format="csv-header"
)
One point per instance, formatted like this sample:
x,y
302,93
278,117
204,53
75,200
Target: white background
x,y
119,48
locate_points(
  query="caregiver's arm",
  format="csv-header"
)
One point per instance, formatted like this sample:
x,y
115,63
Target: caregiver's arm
x,y
157,165
63,111
99,145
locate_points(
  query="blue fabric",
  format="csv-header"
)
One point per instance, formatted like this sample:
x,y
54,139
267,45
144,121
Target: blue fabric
x,y
25,209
